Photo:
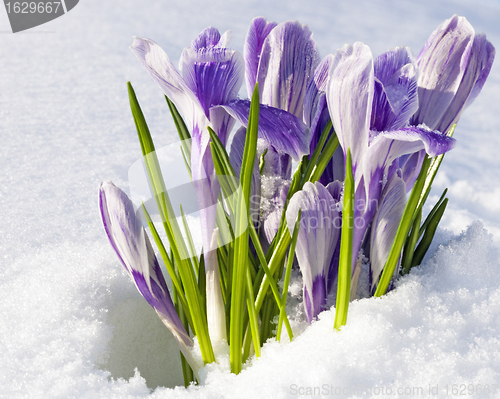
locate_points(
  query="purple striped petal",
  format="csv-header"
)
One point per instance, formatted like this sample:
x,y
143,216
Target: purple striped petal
x,y
257,33
390,62
317,239
477,70
315,300
131,243
450,64
316,114
487,59
350,96
157,63
215,74
287,63
410,167
281,129
387,146
209,37
385,225
395,98
317,85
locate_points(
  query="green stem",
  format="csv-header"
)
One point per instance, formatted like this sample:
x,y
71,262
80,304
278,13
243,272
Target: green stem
x,y
345,260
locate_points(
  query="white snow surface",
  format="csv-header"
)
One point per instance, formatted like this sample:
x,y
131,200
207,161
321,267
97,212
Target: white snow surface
x,y
72,325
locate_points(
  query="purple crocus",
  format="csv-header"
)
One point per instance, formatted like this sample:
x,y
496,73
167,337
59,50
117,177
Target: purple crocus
x,y
318,236
131,243
211,75
453,66
281,58
370,102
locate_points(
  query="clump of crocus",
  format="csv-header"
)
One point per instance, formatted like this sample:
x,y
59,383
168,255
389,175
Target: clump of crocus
x,y
368,133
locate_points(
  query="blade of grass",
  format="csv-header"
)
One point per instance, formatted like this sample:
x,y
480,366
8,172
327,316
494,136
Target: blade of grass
x,y
431,173
286,283
190,241
345,259
316,153
407,220
432,213
177,245
241,243
410,244
182,130
169,265
429,234
252,314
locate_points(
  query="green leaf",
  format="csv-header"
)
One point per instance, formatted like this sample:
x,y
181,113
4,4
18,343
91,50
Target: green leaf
x,y
288,273
324,158
429,234
410,244
182,130
312,162
187,371
345,259
242,212
190,241
432,213
177,245
431,173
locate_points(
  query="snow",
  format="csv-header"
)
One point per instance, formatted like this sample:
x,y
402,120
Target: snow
x,y
72,324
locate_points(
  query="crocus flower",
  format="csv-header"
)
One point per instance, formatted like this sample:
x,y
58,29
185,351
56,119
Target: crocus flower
x,y
211,75
131,243
317,239
370,102
281,58
453,66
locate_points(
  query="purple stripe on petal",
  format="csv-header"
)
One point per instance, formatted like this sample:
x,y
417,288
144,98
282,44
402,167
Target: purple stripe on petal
x,y
283,130
316,114
215,75
477,70
382,113
387,64
487,62
411,168
317,85
257,33
402,91
442,64
387,146
315,300
318,236
395,98
287,63
209,37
